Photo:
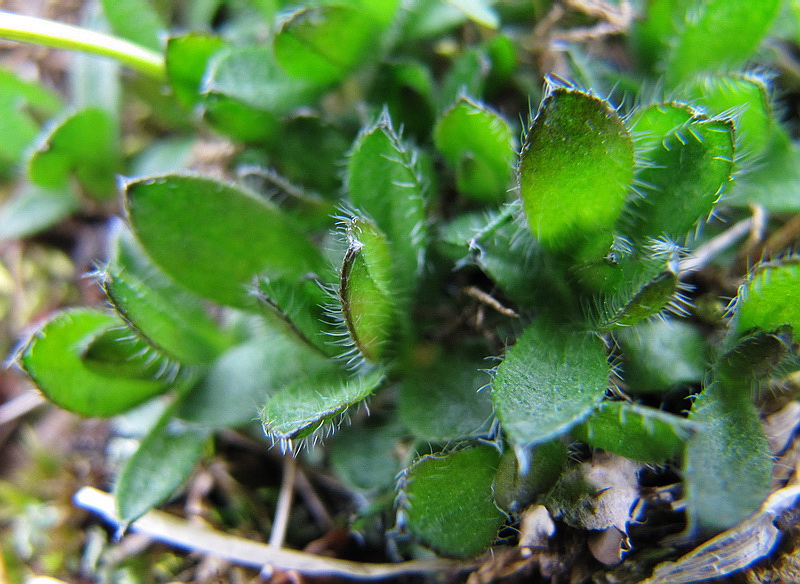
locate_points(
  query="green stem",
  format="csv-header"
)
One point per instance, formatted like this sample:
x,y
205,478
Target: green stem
x,y
40,31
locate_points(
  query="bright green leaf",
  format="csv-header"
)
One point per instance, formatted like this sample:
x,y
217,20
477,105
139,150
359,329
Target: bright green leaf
x,y
322,44
120,352
549,381
214,238
187,58
478,143
84,145
768,300
53,359
576,167
449,501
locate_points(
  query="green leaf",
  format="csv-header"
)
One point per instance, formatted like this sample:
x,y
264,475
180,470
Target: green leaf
x,y
53,358
443,400
22,105
169,317
32,209
660,354
576,167
311,404
120,352
468,75
549,381
477,142
367,457
768,300
187,58
136,20
747,96
636,432
83,145
683,180
709,35
365,290
252,77
214,238
526,473
774,182
243,378
448,501
298,305
384,181
406,89
323,44
728,466
164,460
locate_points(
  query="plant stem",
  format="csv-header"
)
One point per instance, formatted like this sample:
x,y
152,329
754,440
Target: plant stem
x,y
284,502
180,533
40,31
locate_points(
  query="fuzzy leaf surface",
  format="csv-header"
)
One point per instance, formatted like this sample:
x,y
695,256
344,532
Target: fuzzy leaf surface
x,y
303,406
385,182
161,464
53,359
119,352
450,506
576,167
214,238
365,290
83,145
549,381
690,169
637,432
478,144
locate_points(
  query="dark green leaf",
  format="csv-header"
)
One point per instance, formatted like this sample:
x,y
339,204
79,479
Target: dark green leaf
x,y
120,352
214,238
164,460
449,502
549,381
478,143
443,401
405,88
518,483
636,432
728,467
367,457
83,145
53,359
576,167
660,354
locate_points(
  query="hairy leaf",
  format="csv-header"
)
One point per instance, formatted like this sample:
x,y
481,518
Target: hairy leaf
x,y
549,381
448,501
576,167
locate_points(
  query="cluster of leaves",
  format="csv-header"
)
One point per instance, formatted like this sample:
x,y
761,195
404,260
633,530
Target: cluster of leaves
x,y
383,234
